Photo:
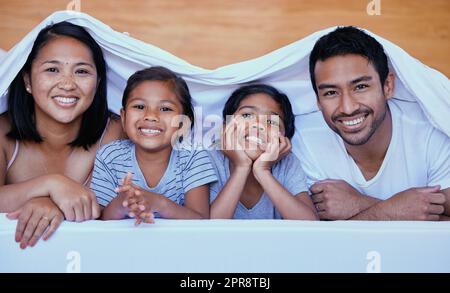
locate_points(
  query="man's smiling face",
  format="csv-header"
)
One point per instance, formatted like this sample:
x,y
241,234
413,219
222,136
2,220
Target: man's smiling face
x,y
351,97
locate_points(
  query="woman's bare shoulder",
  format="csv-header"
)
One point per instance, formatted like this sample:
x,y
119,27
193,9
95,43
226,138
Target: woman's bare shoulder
x,y
5,125
6,143
114,130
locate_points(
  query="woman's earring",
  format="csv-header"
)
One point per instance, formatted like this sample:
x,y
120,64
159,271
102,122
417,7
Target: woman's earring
x,y
28,89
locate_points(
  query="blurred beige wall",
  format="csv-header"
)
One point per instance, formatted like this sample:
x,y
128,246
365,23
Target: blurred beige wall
x,y
211,33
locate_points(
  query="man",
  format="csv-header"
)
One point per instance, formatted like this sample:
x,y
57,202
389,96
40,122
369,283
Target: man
x,y
379,158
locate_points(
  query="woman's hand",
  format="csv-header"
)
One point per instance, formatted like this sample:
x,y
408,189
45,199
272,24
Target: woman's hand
x,y
39,216
77,202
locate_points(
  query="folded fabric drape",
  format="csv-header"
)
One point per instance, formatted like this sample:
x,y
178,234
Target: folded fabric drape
x,y
285,68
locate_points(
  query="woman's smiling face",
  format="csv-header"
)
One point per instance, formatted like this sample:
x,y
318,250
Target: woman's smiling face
x,y
63,79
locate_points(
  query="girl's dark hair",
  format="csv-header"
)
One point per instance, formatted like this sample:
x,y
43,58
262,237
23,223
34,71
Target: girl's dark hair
x,y
232,105
349,40
21,103
159,73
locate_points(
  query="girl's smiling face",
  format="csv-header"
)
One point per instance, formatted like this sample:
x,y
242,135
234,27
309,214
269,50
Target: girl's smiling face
x,y
260,120
151,115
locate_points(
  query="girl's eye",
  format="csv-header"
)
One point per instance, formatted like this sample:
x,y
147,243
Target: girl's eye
x,y
361,86
139,107
52,69
272,122
165,109
247,115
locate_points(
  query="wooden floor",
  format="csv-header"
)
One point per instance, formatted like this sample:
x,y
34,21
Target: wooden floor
x,y
211,33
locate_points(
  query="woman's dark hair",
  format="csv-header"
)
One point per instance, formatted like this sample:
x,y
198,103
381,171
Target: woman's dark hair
x,y
159,73
232,105
349,40
21,103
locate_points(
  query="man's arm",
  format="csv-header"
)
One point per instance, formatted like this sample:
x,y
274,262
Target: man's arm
x,y
420,204
338,200
446,192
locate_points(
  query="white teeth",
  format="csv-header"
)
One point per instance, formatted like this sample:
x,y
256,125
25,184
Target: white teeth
x,y
254,139
150,131
64,100
354,122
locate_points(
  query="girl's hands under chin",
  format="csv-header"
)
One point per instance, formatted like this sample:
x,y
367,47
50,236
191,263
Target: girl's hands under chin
x,y
232,144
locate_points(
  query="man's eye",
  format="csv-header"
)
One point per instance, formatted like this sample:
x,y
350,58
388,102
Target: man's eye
x,y
139,107
165,109
52,69
330,93
361,86
247,115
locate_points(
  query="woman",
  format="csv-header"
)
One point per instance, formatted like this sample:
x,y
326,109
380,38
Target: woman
x,y
57,119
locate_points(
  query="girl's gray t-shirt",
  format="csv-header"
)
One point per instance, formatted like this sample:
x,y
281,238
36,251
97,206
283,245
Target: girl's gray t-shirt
x,y
287,171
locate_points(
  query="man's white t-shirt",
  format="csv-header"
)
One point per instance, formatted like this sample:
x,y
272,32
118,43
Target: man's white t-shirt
x,y
418,154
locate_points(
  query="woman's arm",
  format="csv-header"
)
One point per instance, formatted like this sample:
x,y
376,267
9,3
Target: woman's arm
x,y
14,196
77,202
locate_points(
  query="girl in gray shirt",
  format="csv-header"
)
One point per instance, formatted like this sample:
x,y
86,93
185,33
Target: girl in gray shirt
x,y
258,176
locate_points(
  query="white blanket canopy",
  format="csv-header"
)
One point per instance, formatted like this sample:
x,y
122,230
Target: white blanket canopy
x,y
285,68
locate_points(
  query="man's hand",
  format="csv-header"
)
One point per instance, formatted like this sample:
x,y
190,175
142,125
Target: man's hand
x,y
416,204
338,200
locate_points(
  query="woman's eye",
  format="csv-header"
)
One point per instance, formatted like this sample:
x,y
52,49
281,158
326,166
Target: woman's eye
x,y
52,69
247,115
165,109
139,107
82,71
